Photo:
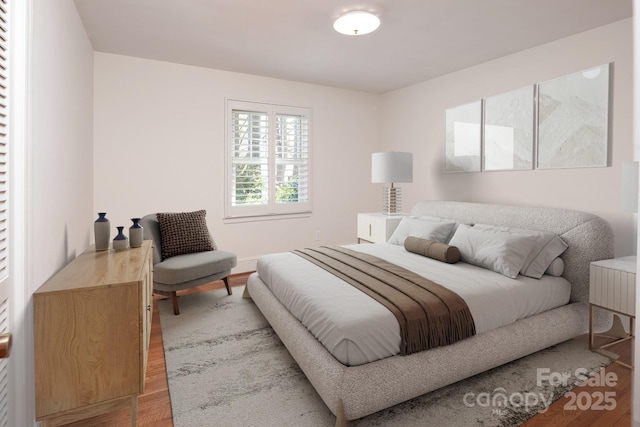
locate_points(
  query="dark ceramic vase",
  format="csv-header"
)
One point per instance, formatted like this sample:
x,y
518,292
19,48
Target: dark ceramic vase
x,y
135,233
120,242
101,231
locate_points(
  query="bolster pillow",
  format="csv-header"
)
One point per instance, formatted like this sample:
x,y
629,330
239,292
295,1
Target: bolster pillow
x,y
432,249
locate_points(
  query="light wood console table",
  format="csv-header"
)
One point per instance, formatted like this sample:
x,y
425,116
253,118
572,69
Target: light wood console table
x,y
92,322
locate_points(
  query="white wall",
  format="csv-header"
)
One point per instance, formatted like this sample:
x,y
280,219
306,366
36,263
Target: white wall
x,y
61,150
414,117
59,165
159,146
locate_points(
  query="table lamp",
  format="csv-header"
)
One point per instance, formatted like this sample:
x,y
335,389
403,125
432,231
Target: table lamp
x,y
391,167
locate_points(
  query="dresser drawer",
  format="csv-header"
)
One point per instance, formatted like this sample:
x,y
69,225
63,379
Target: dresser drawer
x,y
613,289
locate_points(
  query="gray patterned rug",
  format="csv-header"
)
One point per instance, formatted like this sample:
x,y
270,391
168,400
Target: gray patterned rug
x,y
226,367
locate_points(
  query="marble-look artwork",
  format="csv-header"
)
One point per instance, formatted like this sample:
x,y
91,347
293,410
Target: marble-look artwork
x,y
463,138
508,130
573,120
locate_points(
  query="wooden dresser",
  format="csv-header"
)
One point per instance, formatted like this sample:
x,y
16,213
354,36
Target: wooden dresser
x,y
92,322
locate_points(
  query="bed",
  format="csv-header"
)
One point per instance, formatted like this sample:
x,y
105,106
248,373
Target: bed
x,y
352,389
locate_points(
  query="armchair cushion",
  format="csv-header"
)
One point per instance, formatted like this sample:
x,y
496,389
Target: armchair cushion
x,y
184,233
184,268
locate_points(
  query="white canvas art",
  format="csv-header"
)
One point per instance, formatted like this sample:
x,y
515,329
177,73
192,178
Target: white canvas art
x,y
573,120
462,141
508,130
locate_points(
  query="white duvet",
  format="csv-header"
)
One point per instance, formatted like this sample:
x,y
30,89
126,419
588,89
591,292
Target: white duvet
x,y
356,329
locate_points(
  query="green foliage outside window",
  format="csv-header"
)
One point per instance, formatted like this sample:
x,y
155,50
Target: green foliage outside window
x,y
249,183
287,192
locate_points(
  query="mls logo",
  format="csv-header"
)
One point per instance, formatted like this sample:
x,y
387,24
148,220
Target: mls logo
x,y
499,412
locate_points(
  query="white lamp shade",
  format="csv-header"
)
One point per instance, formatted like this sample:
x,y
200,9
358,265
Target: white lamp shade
x,y
391,166
630,187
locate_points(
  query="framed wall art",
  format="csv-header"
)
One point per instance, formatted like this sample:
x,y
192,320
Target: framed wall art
x,y
573,118
463,138
508,130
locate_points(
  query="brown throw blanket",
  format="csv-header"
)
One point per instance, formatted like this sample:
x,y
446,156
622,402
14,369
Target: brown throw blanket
x,y
429,314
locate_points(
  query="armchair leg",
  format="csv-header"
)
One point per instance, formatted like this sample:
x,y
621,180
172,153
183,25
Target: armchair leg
x,y
174,302
174,299
226,284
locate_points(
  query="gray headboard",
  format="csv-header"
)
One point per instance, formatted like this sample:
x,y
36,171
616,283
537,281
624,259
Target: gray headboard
x,y
590,238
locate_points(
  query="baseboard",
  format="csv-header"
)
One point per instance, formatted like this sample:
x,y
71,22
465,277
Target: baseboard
x,y
245,265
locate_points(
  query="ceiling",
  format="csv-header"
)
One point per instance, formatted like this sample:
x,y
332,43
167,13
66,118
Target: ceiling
x,y
294,39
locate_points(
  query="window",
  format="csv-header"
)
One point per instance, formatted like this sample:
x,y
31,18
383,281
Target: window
x,y
268,159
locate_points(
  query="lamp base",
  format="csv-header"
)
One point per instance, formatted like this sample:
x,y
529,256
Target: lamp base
x,y
391,200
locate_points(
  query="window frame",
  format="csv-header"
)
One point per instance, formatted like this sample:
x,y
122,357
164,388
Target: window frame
x,y
271,208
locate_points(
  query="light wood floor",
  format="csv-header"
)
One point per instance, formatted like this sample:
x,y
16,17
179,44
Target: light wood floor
x,y
154,406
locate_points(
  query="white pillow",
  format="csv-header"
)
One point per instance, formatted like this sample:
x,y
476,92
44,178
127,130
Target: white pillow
x,y
548,247
421,228
498,250
556,268
442,220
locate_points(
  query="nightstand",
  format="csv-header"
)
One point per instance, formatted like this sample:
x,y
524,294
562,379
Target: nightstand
x,y
377,227
612,287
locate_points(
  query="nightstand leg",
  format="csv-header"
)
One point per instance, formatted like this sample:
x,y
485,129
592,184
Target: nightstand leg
x,y
590,327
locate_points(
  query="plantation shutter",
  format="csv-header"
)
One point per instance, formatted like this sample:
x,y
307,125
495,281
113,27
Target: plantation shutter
x,y
250,158
292,158
268,159
4,228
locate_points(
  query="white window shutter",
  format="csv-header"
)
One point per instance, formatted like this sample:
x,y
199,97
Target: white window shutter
x,y
4,184
4,172
268,159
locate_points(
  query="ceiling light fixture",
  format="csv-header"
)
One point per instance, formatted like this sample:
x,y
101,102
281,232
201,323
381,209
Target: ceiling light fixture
x,y
356,23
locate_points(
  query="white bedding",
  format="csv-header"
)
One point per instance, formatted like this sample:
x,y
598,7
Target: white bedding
x,y
356,329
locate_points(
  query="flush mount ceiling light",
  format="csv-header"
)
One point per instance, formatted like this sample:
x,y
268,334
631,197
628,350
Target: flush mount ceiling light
x,y
356,23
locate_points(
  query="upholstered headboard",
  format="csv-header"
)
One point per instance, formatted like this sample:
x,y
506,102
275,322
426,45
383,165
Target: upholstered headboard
x,y
590,238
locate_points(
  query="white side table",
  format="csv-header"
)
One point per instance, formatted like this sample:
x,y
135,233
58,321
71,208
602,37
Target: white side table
x,y
612,287
377,227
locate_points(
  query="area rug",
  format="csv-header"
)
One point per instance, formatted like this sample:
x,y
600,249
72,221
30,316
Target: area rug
x,y
227,367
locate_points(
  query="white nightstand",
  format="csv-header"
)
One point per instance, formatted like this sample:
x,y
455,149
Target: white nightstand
x,y
377,227
612,287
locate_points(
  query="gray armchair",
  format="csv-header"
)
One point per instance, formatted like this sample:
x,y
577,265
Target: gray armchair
x,y
188,270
